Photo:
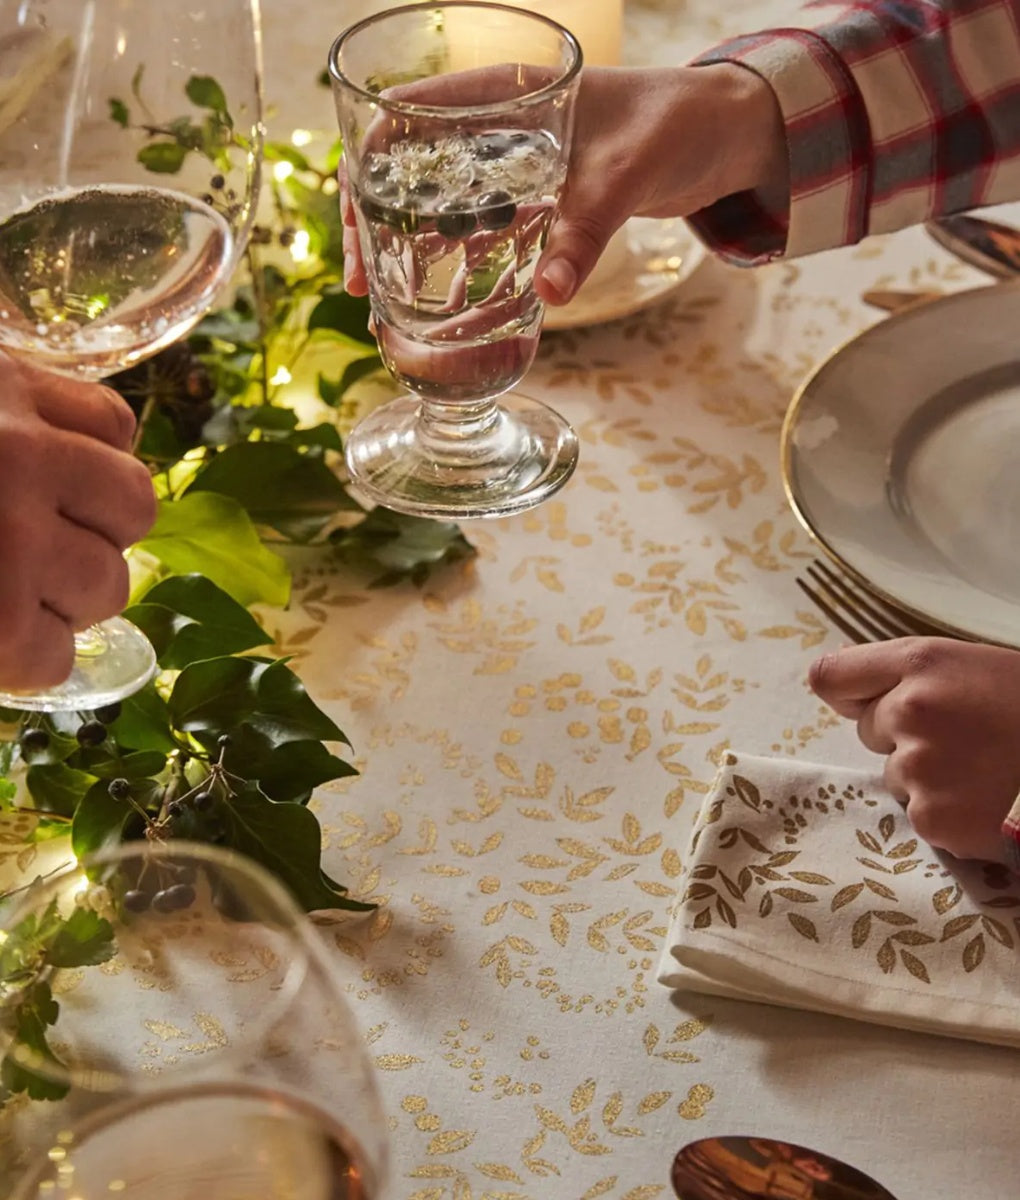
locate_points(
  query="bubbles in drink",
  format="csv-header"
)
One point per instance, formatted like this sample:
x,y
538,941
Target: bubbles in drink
x,y
92,277
454,227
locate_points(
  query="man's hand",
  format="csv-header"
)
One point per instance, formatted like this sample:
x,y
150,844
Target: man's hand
x,y
72,499
946,715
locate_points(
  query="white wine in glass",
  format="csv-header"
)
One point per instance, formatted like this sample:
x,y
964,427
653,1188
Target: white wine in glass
x,y
130,151
204,1051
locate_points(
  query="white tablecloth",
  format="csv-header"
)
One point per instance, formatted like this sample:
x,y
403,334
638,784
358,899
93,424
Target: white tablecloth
x,y
536,730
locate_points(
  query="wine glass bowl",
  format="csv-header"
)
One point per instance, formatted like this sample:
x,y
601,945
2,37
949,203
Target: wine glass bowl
x,y
202,1044
130,151
456,120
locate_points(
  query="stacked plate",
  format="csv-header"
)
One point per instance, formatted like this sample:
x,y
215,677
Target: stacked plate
x,y
901,456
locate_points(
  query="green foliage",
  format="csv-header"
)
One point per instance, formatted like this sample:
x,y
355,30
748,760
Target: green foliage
x,y
35,945
237,472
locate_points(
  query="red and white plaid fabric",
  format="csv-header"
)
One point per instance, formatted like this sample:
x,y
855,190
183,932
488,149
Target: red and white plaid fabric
x,y
896,111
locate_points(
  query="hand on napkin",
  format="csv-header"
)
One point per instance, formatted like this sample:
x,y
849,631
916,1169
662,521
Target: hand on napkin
x,y
805,886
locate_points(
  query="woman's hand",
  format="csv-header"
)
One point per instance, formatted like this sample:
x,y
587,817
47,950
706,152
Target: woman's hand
x,y
946,715
72,499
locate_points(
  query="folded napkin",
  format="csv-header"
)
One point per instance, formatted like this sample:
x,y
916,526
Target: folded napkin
x,y
804,886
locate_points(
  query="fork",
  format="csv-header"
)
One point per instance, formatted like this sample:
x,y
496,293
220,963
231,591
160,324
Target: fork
x,y
858,612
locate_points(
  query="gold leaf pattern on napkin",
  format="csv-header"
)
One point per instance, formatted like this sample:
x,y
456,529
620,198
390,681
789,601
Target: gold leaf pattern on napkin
x,y
808,880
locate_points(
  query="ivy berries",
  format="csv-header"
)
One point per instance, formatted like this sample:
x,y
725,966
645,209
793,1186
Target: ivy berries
x,y
91,733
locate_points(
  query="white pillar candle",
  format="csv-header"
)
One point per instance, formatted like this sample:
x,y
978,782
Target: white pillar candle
x,y
597,25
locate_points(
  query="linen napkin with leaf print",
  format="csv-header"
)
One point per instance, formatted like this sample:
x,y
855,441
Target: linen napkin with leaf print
x,y
804,886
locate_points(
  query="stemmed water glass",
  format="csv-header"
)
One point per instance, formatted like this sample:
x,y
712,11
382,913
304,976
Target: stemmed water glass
x,y
130,148
181,1032
456,121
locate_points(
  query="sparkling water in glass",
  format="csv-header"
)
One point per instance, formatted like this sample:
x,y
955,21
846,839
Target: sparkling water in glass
x,y
456,121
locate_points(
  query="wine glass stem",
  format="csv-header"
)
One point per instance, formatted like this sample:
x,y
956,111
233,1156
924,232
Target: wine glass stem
x,y
460,433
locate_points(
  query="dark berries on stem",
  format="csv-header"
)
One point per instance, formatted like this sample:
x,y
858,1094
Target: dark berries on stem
x,y
91,733
34,741
136,900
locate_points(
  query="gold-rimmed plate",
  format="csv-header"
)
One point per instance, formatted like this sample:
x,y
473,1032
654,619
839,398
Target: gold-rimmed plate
x,y
901,457
656,257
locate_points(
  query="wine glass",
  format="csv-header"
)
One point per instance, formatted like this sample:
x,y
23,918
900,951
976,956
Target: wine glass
x,y
130,148
202,1045
456,121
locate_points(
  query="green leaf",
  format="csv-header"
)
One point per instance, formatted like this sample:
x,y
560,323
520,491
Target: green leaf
x,y
281,152
25,945
277,485
287,840
104,764
322,437
333,393
99,821
272,417
210,534
57,788
405,547
226,695
343,314
164,158
293,770
144,722
84,940
205,92
188,618
159,442
31,1049
119,112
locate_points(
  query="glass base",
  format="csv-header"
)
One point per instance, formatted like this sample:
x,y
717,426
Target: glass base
x,y
526,453
112,661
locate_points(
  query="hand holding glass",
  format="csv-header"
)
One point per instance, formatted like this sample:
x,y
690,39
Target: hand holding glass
x,y
456,119
129,157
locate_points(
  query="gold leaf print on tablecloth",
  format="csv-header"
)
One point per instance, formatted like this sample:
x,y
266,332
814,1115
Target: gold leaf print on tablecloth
x,y
498,641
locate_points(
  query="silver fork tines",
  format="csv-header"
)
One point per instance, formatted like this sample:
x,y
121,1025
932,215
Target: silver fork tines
x,y
860,614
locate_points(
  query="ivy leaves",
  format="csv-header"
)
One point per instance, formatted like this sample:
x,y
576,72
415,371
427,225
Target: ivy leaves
x,y
242,727
35,945
173,142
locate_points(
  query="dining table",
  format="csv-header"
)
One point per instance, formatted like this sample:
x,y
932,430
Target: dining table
x,y
535,730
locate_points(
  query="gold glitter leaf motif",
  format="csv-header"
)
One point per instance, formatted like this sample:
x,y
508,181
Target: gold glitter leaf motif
x,y
396,1062
695,1105
866,913
450,1141
602,1188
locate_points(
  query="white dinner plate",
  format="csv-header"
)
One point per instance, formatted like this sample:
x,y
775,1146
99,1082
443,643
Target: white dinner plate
x,y
659,256
901,456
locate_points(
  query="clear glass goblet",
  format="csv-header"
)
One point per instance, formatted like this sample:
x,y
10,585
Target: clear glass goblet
x,y
130,148
456,120
197,1042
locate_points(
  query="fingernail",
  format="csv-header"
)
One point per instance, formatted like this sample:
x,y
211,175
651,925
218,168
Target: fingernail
x,y
348,266
561,277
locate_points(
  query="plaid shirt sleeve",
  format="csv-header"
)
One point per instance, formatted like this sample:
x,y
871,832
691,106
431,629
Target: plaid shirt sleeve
x,y
896,111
